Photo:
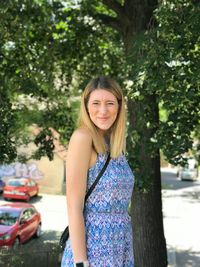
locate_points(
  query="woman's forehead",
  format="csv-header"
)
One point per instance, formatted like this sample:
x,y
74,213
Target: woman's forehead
x,y
102,94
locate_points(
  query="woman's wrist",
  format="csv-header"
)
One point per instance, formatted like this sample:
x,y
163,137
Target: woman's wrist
x,y
81,264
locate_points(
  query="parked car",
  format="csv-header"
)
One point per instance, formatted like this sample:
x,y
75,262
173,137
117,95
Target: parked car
x,y
2,184
189,172
20,188
18,223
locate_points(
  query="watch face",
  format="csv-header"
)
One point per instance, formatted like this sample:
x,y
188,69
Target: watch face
x,y
79,264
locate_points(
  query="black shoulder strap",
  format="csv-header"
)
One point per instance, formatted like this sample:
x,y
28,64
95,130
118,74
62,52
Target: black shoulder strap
x,y
98,178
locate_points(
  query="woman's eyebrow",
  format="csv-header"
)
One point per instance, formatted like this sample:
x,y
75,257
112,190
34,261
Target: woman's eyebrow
x,y
96,99
106,100
113,101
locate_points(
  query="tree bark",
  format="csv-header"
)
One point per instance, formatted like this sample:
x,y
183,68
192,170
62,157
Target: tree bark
x,y
147,219
149,241
146,208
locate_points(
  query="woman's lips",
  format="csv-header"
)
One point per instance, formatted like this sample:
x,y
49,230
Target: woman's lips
x,y
103,119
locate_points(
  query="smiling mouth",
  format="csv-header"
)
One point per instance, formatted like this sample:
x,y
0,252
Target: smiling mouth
x,y
103,119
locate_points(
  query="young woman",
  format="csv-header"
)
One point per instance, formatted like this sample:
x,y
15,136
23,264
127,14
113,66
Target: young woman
x,y
100,232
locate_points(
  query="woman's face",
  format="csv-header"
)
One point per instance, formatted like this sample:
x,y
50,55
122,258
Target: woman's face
x,y
103,109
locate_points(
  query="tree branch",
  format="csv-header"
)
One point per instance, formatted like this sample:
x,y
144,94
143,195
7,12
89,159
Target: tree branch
x,y
114,5
121,20
109,21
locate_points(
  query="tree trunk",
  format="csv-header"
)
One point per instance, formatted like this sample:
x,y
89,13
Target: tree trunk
x,y
149,241
147,219
133,18
146,209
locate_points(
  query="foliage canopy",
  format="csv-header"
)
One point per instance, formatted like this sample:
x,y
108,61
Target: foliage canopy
x,y
49,50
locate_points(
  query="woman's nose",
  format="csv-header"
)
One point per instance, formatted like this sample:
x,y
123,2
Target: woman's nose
x,y
103,109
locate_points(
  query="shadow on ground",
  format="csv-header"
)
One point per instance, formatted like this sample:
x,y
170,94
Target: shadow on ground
x,y
187,196
187,258
191,197
40,252
33,200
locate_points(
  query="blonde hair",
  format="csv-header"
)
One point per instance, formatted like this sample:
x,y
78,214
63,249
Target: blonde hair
x,y
118,129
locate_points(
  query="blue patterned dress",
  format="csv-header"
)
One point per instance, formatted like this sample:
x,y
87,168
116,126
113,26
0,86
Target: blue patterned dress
x,y
108,225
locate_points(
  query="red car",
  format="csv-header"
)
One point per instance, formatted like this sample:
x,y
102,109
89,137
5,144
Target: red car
x,y
18,223
20,188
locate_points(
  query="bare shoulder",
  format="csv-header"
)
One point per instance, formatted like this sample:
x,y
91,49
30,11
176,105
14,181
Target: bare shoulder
x,y
81,139
81,135
80,148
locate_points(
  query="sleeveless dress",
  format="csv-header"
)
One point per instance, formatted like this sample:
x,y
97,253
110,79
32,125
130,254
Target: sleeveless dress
x,y
108,225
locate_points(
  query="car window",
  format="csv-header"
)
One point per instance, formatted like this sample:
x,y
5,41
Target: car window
x,y
24,216
16,183
29,183
27,214
33,183
32,211
8,217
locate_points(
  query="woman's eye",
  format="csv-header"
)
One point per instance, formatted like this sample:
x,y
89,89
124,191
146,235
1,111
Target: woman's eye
x,y
110,103
95,103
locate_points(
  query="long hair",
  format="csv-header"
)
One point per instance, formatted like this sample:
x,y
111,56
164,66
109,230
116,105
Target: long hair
x,y
118,129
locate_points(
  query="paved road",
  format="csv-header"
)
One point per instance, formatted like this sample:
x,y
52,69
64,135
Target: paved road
x,y
171,182
181,206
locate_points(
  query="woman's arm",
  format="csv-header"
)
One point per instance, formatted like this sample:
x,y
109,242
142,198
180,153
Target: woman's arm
x,y
78,160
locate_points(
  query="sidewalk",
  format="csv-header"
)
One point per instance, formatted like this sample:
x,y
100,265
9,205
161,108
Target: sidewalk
x,y
181,208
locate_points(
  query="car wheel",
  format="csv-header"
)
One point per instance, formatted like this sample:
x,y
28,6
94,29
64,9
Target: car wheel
x,y
39,231
16,243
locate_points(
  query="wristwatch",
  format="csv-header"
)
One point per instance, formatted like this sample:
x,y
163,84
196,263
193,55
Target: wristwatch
x,y
82,264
